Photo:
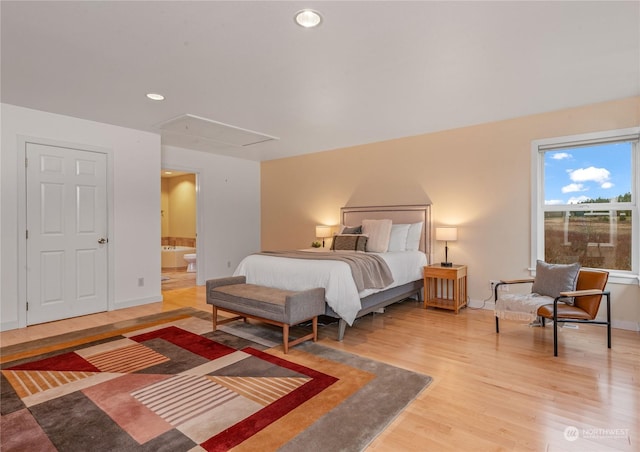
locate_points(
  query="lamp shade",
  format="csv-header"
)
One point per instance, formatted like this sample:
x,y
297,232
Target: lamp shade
x,y
323,231
447,234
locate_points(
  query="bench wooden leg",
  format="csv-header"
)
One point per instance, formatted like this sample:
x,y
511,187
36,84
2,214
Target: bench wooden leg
x,y
285,337
313,335
217,322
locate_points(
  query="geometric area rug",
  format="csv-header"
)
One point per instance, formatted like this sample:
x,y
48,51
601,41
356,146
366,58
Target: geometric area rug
x,y
167,382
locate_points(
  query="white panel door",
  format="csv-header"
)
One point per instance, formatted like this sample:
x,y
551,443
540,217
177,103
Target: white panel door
x,y
66,233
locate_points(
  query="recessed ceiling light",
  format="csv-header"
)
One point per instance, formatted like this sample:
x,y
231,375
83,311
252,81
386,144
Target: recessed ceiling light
x,y
308,18
155,96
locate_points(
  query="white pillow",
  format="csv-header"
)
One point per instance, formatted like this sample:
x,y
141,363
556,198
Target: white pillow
x,y
413,237
379,232
398,238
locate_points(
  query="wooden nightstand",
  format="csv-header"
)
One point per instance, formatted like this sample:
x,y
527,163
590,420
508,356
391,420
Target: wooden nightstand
x,y
445,287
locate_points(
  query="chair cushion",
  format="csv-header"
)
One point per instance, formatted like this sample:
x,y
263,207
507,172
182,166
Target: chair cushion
x,y
591,279
551,279
565,311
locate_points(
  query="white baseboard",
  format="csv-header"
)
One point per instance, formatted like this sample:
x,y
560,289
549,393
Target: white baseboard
x,y
625,325
12,325
135,302
480,304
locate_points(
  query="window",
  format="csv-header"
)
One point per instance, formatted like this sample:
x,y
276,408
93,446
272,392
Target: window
x,y
586,190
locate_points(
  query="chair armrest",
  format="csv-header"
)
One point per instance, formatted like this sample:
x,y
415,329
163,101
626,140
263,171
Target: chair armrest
x,y
502,282
517,281
582,293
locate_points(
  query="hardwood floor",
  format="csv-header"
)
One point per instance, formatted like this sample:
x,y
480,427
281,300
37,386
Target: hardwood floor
x,y
177,280
489,392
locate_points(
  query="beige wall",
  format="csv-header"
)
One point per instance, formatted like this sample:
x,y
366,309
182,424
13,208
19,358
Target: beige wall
x,y
478,178
178,202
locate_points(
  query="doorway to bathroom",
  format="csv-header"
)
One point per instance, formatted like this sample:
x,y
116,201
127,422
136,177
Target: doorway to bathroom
x,y
178,215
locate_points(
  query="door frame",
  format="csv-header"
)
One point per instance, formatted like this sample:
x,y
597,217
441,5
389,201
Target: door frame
x,y
200,280
23,141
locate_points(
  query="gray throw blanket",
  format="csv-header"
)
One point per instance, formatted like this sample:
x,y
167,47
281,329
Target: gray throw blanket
x,y
369,270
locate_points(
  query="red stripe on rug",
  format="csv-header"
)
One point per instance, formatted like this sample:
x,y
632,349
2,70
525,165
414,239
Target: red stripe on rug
x,y
251,425
66,361
189,341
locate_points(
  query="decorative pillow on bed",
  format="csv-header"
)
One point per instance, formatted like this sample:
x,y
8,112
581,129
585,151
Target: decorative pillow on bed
x,y
351,229
551,279
349,242
413,236
398,237
379,232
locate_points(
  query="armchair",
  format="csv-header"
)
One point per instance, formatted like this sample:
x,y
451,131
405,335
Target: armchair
x,y
587,296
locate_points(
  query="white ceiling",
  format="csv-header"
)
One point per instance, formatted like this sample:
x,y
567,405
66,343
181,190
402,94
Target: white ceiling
x,y
372,71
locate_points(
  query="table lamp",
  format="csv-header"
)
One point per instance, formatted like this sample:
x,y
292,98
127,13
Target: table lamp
x,y
446,235
323,232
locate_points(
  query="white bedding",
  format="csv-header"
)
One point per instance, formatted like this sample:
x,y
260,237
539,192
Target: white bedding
x,y
335,277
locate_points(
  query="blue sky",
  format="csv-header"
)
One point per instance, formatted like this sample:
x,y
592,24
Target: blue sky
x,y
573,175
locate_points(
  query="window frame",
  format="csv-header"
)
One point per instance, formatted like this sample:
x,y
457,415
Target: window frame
x,y
538,208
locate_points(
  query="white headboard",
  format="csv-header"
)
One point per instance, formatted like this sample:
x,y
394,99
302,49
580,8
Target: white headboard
x,y
353,216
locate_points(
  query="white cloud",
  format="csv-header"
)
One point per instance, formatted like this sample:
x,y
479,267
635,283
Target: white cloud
x,y
553,202
606,185
591,174
571,188
561,156
578,199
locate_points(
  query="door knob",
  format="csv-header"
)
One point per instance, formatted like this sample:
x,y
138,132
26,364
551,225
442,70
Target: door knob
x,y
102,241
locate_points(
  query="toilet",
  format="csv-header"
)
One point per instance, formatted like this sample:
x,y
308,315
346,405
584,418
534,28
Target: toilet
x,y
191,262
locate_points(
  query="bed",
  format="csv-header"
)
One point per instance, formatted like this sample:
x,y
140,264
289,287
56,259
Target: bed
x,y
344,299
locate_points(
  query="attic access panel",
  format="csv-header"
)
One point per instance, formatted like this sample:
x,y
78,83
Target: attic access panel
x,y
209,129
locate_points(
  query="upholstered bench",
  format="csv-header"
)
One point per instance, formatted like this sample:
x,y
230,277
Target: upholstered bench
x,y
284,308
